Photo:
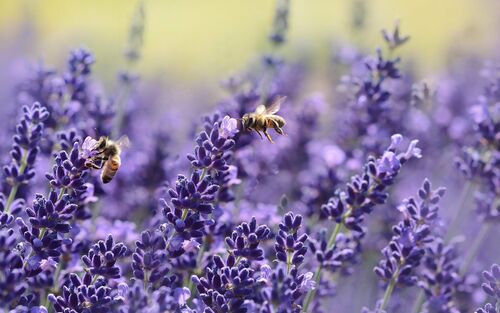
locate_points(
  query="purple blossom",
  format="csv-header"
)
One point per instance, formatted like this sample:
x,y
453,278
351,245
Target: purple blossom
x,y
228,127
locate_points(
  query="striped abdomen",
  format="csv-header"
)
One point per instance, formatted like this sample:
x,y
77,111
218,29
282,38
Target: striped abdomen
x,y
110,168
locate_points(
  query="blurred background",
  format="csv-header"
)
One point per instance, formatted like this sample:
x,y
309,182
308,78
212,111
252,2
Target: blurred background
x,y
200,42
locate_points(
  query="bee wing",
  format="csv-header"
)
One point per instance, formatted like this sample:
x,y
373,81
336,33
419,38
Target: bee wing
x,y
275,107
261,109
90,143
123,142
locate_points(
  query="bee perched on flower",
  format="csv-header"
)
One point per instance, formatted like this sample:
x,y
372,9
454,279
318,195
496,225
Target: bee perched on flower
x,y
104,154
264,118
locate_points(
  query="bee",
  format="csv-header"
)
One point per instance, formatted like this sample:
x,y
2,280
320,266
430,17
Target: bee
x,y
264,118
106,156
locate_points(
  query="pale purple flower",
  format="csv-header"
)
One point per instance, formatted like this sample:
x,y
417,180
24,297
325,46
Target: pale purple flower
x,y
38,309
88,194
308,282
413,150
191,245
396,140
388,163
228,127
122,289
181,295
89,147
233,176
265,272
48,264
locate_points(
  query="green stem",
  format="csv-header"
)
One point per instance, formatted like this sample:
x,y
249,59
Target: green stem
x,y
461,204
15,187
203,173
288,262
61,193
40,236
238,259
183,217
56,277
317,275
474,248
184,214
417,307
199,259
389,289
310,295
333,237
146,279
46,302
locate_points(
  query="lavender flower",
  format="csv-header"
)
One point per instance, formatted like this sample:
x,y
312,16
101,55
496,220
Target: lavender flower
x,y
245,239
290,247
492,288
405,251
83,294
12,284
440,278
149,258
225,285
101,259
24,152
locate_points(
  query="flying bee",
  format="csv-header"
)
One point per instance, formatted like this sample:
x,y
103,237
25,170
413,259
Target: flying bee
x,y
106,156
264,118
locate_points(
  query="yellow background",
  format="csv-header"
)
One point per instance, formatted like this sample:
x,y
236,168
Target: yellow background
x,y
196,40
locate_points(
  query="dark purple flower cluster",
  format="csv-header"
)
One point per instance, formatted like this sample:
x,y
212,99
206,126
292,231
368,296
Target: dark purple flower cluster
x,y
245,239
85,295
412,236
439,277
364,192
24,152
290,247
226,285
101,259
492,288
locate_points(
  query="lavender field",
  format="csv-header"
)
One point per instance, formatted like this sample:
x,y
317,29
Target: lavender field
x,y
367,181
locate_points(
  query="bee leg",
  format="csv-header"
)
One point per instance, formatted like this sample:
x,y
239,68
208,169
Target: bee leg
x,y
96,162
93,165
259,134
279,131
277,128
267,135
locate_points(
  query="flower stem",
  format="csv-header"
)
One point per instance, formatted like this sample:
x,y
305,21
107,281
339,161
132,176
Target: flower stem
x,y
288,262
61,193
389,289
15,187
417,307
474,248
317,275
199,259
203,173
43,230
461,204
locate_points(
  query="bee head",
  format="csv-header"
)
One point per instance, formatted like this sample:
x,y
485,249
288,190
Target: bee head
x,y
247,121
103,142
